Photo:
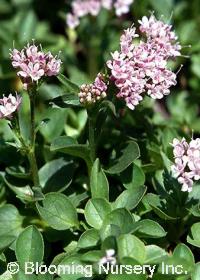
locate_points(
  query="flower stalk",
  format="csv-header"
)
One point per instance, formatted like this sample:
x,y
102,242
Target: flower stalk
x,y
31,153
91,124
33,66
89,96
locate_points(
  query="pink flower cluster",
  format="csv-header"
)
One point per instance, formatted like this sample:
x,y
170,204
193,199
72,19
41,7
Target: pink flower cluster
x,y
81,8
92,93
33,64
8,105
187,162
142,67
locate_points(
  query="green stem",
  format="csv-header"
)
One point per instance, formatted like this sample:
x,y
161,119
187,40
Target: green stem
x,y
92,139
31,155
34,168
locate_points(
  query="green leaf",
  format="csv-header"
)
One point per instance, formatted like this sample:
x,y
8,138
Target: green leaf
x,y
132,177
66,101
196,272
77,199
95,212
194,238
116,222
126,276
58,211
22,276
68,85
135,276
10,221
149,228
56,175
92,256
6,241
158,206
155,254
6,276
183,252
27,26
127,155
98,182
70,146
51,130
18,172
183,256
195,210
163,7
71,247
44,277
130,198
24,193
195,193
29,246
89,238
109,105
74,259
130,246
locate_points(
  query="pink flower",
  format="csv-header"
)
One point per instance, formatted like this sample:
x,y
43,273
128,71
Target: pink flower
x,y
53,67
107,4
81,8
179,167
187,162
31,70
122,6
72,20
99,83
186,182
33,64
161,34
90,94
142,68
8,105
94,7
180,147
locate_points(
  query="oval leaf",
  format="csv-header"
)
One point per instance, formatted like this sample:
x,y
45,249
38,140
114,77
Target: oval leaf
x,y
130,246
130,153
95,212
29,246
130,198
58,211
70,146
69,86
98,182
194,238
89,239
149,228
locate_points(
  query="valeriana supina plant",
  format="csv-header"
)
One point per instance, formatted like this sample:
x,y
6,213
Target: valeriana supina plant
x,y
142,68
9,106
33,64
81,8
186,167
